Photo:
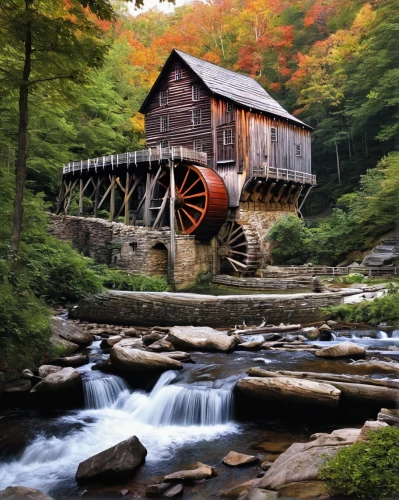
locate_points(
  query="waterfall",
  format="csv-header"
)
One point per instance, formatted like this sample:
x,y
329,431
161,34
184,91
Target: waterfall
x,y
102,391
395,334
382,335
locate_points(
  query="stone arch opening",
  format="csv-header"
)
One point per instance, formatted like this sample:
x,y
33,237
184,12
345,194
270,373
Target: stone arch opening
x,y
158,259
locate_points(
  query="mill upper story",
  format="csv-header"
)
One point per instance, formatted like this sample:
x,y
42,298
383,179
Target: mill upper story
x,y
229,116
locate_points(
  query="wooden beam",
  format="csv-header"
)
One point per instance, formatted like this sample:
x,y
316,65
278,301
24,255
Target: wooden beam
x,y
106,192
147,203
161,209
127,198
96,193
172,250
70,191
112,199
80,197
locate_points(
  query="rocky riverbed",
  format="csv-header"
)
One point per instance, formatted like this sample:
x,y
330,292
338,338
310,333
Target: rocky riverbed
x,y
212,409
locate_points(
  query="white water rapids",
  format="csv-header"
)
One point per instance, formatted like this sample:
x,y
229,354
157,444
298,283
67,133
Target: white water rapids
x,y
164,419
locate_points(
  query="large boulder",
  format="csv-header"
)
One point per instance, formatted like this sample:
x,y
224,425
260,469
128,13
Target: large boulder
x,y
45,370
234,459
64,380
73,361
200,338
290,390
303,461
202,471
70,332
342,350
22,493
137,361
391,417
113,464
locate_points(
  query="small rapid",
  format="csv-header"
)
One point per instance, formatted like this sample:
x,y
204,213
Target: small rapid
x,y
170,416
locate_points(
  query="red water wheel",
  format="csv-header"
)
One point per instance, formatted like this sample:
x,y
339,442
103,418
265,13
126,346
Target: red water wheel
x,y
201,200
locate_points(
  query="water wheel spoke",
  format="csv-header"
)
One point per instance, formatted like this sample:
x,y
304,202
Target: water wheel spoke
x,y
195,195
239,245
191,187
236,262
181,221
240,253
189,216
235,231
162,184
184,181
195,207
234,267
235,239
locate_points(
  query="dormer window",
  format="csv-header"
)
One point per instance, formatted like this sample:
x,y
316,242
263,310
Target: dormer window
x,y
298,150
273,134
196,117
164,123
178,74
228,136
230,107
195,92
163,98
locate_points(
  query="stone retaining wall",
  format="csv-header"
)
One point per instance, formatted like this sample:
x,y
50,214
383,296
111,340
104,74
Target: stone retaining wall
x,y
168,309
306,284
134,249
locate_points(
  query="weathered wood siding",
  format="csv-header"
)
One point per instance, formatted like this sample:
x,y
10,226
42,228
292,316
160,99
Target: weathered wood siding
x,y
179,108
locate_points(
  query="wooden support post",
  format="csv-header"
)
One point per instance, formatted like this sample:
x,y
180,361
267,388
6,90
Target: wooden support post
x,y
127,198
147,203
112,199
80,197
60,198
172,251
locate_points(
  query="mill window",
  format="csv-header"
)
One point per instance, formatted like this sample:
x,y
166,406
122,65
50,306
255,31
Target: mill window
x,y
273,134
196,117
165,123
178,74
196,92
230,106
198,145
164,144
298,150
228,136
163,98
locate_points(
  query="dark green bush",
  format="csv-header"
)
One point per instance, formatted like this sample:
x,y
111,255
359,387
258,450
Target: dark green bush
x,y
385,308
366,469
118,280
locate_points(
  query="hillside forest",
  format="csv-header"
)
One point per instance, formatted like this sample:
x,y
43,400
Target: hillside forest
x,y
79,71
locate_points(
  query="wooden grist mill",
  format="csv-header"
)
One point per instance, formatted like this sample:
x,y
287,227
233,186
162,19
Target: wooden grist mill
x,y
223,161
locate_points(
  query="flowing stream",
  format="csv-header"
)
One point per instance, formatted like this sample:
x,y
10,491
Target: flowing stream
x,y
186,417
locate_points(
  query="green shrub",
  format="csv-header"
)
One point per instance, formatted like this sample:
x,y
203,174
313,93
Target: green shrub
x,y
366,469
118,280
353,278
385,308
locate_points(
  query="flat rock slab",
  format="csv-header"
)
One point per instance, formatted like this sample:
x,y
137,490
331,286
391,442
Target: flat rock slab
x,y
202,471
258,494
370,426
200,338
391,417
174,491
234,459
303,461
373,367
63,380
138,361
22,493
343,350
73,361
290,389
303,489
70,332
274,447
113,464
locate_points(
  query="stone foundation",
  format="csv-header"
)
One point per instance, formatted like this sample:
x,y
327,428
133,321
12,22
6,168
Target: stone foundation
x,y
169,309
134,249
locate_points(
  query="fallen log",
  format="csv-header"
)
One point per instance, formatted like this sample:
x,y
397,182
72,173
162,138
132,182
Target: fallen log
x,y
353,391
290,389
267,329
329,377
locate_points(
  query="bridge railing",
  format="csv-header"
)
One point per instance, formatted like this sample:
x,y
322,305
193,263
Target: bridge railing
x,y
283,174
175,153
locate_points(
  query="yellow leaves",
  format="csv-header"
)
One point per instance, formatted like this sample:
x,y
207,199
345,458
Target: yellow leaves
x,y
138,123
363,20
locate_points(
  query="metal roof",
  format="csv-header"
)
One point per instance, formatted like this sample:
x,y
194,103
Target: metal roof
x,y
240,89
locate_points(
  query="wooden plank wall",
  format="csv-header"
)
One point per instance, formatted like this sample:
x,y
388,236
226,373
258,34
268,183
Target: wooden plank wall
x,y
179,108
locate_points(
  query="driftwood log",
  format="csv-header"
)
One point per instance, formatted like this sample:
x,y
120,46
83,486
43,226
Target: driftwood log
x,y
267,329
391,417
290,389
354,390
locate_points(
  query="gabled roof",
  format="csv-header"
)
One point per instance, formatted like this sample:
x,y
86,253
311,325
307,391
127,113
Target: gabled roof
x,y
242,90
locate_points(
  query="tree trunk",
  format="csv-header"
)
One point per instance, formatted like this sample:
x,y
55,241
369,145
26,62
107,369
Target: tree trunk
x,y
20,166
338,164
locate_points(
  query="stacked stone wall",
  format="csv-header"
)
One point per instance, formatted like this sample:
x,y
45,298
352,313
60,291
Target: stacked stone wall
x,y
134,249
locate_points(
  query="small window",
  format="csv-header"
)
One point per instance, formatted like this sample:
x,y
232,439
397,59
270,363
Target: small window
x,y
298,150
164,144
196,117
133,246
163,98
228,136
230,106
178,73
165,123
195,92
198,145
273,134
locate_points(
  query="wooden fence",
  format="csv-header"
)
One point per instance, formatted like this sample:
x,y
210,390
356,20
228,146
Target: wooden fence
x,y
281,271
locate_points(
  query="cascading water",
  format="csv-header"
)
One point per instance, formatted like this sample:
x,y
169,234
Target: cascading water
x,y
382,335
165,419
395,334
253,338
